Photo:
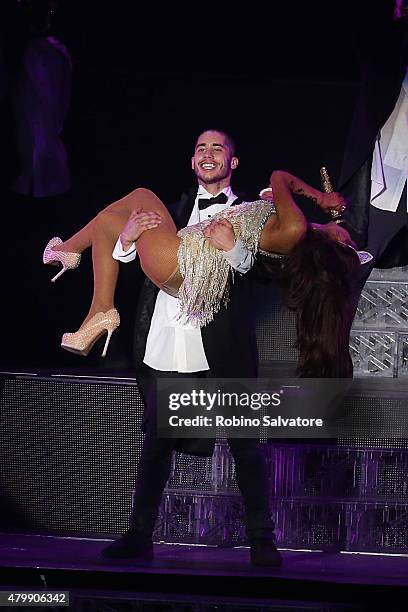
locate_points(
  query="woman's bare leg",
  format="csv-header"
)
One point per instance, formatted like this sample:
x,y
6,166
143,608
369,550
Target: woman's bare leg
x,y
102,233
117,213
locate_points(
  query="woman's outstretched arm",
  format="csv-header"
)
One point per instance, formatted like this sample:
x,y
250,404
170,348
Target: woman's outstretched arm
x,y
285,229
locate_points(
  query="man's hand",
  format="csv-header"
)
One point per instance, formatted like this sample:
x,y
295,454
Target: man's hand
x,y
138,223
220,234
336,232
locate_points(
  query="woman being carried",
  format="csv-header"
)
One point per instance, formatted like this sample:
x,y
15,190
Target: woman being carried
x,y
317,276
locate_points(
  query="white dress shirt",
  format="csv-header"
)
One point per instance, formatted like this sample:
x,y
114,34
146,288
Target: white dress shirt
x,y
390,159
172,344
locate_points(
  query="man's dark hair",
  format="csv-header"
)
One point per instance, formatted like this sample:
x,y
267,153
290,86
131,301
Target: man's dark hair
x,y
228,138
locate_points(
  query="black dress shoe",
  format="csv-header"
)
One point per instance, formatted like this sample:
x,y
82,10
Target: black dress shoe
x,y
264,553
132,545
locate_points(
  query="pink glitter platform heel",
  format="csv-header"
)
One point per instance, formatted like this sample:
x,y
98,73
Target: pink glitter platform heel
x,y
69,261
82,341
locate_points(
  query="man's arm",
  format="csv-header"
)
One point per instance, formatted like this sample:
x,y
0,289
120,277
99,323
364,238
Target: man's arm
x,y
138,222
124,256
221,235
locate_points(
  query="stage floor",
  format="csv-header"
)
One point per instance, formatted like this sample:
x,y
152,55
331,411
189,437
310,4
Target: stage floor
x,y
72,562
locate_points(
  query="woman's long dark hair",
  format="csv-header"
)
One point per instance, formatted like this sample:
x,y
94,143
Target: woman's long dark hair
x,y
318,284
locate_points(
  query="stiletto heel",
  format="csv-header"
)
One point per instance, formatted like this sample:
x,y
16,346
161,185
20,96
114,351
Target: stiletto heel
x,y
60,273
82,341
69,261
108,337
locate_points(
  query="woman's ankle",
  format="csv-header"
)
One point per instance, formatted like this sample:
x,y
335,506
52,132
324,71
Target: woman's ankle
x,y
65,248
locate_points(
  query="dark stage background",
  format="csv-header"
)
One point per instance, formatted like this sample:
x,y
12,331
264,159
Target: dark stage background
x,y
281,77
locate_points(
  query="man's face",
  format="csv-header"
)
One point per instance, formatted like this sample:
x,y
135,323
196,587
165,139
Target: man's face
x,y
213,161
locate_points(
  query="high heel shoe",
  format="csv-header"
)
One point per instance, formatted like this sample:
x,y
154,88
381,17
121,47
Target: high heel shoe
x,y
82,341
69,261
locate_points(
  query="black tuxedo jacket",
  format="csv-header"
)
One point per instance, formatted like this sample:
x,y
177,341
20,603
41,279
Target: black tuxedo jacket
x,y
229,340
383,70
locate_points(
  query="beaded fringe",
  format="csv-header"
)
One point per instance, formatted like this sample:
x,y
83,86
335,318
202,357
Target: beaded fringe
x,y
206,273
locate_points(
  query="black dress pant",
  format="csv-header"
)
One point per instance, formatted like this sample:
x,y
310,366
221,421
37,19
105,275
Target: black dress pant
x,y
155,465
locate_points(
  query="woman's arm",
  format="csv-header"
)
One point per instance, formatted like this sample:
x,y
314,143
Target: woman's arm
x,y
326,201
288,226
284,229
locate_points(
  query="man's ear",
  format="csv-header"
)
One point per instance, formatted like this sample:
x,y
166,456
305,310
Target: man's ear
x,y
192,163
234,163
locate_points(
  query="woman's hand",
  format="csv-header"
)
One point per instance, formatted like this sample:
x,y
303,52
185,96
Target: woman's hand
x,y
332,201
266,194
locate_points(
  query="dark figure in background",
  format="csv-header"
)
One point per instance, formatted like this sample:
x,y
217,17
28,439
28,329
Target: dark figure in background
x,y
34,174
40,98
373,177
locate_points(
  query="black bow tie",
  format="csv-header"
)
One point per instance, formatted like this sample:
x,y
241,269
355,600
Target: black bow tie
x,y
221,198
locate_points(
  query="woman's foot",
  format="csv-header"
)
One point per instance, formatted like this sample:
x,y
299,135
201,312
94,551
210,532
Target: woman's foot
x,y
53,255
82,341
